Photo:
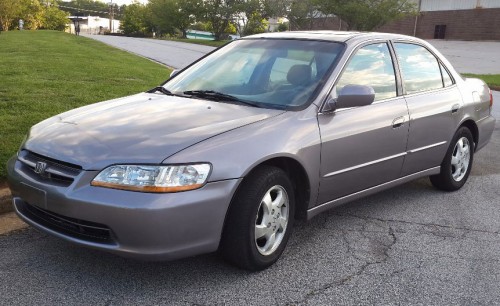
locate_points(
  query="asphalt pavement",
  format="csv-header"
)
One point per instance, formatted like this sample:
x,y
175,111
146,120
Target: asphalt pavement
x,y
170,53
480,57
410,245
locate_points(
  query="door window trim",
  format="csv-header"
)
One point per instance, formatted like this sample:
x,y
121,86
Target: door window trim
x,y
438,59
398,78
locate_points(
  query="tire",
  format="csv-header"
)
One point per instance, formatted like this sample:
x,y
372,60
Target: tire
x,y
249,217
457,163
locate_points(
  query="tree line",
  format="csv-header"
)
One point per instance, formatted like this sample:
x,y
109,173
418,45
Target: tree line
x,y
36,14
222,17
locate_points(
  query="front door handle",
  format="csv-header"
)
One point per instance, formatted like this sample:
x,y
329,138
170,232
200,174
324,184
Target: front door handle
x,y
398,122
455,108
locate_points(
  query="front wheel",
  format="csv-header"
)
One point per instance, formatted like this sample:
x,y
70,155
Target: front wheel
x,y
457,164
260,220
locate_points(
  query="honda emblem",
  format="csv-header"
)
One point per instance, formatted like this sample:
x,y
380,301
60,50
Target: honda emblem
x,y
40,167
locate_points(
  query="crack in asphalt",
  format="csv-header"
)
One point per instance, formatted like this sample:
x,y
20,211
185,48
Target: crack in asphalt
x,y
369,263
353,252
421,224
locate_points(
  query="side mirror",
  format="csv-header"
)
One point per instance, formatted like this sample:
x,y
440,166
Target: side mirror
x,y
351,96
355,95
174,72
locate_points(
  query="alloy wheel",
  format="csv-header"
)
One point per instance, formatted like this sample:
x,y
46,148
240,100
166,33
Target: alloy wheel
x,y
460,159
272,220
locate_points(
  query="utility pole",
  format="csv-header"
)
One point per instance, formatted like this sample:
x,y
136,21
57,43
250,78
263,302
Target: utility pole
x,y
111,15
416,18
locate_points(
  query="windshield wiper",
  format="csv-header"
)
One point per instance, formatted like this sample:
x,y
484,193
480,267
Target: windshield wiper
x,y
161,89
218,96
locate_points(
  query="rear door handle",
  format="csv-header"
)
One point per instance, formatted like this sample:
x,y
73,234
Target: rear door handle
x,y
455,108
398,122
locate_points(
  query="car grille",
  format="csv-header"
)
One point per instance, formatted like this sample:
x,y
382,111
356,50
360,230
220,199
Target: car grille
x,y
80,229
55,172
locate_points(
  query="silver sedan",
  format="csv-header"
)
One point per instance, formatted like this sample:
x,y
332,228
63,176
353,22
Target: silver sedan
x,y
228,152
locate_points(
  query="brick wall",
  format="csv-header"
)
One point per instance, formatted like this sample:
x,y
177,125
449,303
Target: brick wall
x,y
476,24
404,26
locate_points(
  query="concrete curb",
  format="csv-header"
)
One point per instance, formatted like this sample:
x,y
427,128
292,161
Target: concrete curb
x,y
5,201
10,222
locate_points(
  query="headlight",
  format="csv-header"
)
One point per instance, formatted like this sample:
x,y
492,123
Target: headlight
x,y
147,178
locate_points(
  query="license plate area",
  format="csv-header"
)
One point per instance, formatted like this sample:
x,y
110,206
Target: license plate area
x,y
34,196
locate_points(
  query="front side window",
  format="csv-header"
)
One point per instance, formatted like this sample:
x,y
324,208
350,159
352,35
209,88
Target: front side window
x,y
275,73
371,66
420,68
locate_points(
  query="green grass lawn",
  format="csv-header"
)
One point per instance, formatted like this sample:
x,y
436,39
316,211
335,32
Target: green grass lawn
x,y
43,73
493,80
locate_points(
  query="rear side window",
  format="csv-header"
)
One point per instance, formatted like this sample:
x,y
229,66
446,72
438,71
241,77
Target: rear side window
x,y
419,68
371,66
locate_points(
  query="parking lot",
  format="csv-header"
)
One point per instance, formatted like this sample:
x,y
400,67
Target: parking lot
x,y
410,245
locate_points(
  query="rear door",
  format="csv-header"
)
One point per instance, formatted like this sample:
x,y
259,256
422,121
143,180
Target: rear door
x,y
364,146
434,103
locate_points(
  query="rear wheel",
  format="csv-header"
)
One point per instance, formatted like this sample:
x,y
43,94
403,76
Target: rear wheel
x,y
260,220
457,164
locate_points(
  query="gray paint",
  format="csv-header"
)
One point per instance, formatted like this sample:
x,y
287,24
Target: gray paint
x,y
346,154
143,128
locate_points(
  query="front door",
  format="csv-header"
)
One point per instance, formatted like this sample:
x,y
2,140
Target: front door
x,y
364,146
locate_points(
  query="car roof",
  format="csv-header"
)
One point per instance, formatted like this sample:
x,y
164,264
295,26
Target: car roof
x,y
338,36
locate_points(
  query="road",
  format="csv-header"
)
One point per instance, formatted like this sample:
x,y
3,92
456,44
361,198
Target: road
x,y
471,56
465,56
170,53
411,245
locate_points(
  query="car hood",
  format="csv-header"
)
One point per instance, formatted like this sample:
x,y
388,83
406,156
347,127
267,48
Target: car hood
x,y
143,128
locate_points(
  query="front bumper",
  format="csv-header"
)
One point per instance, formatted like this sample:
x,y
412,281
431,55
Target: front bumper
x,y
142,225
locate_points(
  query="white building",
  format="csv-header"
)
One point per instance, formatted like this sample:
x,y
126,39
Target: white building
x,y
94,25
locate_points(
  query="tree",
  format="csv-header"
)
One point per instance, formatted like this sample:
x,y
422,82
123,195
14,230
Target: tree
x,y
9,10
162,15
251,16
276,8
200,26
302,14
133,20
366,15
186,15
171,15
35,13
255,24
88,7
55,19
219,13
284,26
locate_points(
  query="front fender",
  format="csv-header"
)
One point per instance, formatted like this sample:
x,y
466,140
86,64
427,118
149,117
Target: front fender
x,y
235,153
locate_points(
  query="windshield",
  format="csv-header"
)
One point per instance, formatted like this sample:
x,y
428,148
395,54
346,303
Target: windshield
x,y
273,73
